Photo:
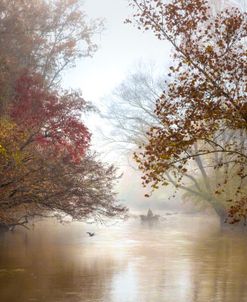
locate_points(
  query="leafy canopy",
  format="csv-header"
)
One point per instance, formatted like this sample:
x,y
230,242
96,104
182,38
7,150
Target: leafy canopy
x,y
206,95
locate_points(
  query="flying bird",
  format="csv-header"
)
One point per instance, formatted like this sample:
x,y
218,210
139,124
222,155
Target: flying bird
x,y
90,234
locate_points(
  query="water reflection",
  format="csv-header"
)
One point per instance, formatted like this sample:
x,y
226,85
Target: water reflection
x,y
180,260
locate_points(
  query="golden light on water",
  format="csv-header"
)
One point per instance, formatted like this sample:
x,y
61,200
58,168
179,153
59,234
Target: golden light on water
x,y
174,261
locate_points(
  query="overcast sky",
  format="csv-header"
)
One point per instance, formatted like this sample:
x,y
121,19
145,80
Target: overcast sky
x,y
121,47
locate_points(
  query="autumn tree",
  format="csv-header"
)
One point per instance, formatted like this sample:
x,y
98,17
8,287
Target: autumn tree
x,y
206,94
130,111
61,189
46,166
43,36
216,179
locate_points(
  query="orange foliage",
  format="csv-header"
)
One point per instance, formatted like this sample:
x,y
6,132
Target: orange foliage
x,y
206,94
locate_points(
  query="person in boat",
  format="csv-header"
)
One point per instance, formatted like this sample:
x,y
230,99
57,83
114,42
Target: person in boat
x,y
150,217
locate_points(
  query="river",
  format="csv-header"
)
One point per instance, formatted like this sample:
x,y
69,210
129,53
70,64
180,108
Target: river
x,y
183,259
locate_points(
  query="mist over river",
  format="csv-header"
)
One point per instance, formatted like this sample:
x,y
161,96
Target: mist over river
x,y
183,259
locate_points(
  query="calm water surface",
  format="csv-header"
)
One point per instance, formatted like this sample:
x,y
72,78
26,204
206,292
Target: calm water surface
x,y
184,259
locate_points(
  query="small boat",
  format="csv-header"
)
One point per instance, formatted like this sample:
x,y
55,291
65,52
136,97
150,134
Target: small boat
x,y
150,217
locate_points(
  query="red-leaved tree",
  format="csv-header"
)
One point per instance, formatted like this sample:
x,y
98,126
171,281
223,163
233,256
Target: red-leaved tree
x,y
46,166
53,120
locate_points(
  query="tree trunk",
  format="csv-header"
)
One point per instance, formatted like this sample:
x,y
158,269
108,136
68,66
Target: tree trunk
x,y
220,211
3,227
